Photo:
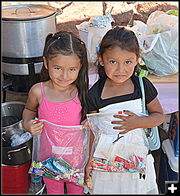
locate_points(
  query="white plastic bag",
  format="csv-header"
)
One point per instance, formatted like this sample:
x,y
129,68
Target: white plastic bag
x,y
161,55
159,21
158,41
83,31
92,32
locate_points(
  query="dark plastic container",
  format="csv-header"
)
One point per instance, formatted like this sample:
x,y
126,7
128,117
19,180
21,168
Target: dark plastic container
x,y
17,155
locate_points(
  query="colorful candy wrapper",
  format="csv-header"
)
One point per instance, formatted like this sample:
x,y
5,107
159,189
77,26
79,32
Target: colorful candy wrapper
x,y
58,169
173,12
64,163
134,164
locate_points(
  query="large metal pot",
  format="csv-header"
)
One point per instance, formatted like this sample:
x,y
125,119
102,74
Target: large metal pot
x,y
24,29
22,153
11,113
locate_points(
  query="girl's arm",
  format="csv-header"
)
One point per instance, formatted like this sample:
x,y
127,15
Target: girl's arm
x,y
30,111
156,114
133,121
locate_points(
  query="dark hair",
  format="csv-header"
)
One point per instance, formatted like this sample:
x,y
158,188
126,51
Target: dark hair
x,y
122,37
67,43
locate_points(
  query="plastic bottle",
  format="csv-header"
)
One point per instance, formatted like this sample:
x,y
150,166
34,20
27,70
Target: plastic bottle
x,y
36,186
20,139
16,140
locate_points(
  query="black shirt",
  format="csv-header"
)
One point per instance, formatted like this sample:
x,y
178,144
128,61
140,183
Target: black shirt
x,y
94,96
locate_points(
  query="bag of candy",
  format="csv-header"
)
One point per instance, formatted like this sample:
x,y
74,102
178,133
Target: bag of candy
x,y
116,152
63,153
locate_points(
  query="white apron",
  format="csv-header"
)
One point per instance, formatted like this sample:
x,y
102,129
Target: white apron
x,y
133,142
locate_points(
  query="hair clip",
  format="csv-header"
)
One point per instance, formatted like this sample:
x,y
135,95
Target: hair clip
x,y
59,37
97,48
143,73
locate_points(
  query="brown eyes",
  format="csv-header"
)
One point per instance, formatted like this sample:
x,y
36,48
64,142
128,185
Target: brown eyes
x,y
114,62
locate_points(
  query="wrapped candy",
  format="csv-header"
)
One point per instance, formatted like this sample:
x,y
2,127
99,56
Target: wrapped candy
x,y
119,164
58,169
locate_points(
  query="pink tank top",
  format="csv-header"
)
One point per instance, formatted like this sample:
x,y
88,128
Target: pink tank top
x,y
60,113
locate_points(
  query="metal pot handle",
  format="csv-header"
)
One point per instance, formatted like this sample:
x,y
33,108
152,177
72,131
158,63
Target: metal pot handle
x,y
30,11
58,11
17,150
7,83
24,147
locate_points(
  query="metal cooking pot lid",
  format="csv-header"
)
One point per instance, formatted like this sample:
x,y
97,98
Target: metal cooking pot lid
x,y
27,12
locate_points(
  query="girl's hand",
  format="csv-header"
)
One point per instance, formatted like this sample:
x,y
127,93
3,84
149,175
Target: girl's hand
x,y
127,123
35,127
85,124
87,177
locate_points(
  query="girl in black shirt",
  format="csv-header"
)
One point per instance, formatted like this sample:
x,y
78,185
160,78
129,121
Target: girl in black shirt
x,y
118,58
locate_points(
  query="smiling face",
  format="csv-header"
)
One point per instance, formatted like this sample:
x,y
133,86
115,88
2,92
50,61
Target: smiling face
x,y
63,69
118,64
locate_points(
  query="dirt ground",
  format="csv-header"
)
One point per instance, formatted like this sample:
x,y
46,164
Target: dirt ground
x,y
123,12
76,12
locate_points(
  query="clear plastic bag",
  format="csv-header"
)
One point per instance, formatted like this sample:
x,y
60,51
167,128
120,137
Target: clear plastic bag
x,y
161,53
63,153
159,22
115,152
36,186
36,147
158,41
120,159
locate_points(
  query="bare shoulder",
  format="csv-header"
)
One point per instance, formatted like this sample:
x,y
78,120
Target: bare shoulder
x,y
35,90
34,96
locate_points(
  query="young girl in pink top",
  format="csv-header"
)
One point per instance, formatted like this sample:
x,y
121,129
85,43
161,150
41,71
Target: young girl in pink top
x,y
61,97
